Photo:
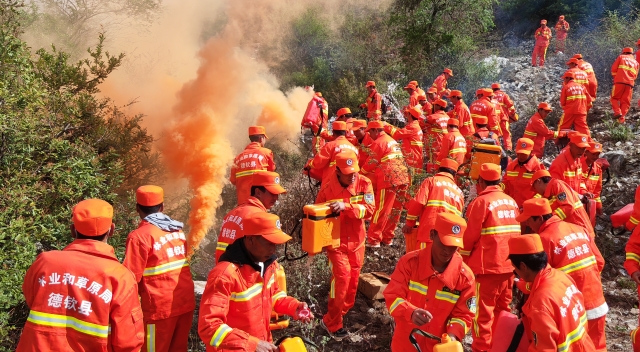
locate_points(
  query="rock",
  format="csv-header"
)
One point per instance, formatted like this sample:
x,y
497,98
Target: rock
x,y
616,160
199,287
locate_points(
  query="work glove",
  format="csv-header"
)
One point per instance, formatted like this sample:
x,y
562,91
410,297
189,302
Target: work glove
x,y
363,106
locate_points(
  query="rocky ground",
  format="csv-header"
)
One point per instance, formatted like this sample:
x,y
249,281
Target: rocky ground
x,y
369,322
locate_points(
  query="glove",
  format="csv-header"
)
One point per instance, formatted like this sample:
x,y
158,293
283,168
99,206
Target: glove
x,y
363,106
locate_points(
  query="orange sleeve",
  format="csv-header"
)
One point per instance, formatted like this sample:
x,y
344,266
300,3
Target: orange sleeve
x,y
544,325
136,254
475,217
614,67
563,97
632,250
446,147
563,208
539,127
364,209
271,164
232,175
556,169
416,205
283,304
125,320
461,312
635,216
323,158
397,291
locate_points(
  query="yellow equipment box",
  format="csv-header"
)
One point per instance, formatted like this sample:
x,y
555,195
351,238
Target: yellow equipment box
x,y
447,345
481,154
320,228
292,344
279,322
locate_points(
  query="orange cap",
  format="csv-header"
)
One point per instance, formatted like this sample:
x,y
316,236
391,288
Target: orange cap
x,y
358,124
370,84
577,56
375,124
534,207
481,120
568,74
453,122
595,148
479,92
495,86
347,161
525,244
343,111
524,146
490,172
455,93
416,112
269,180
579,140
318,94
627,50
450,228
573,60
415,83
545,106
254,130
543,21
410,86
441,103
449,164
448,71
266,225
92,217
339,126
487,92
422,97
539,174
561,17
432,90
149,195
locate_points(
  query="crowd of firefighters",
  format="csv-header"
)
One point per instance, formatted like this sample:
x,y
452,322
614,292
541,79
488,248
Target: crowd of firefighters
x,y
523,225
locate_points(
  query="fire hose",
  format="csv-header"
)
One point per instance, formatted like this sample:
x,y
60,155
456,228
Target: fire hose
x,y
287,257
414,342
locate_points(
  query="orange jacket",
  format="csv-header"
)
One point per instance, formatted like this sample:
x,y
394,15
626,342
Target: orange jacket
x,y
565,202
440,84
237,301
625,70
435,127
461,112
562,27
254,158
411,142
231,228
505,104
591,77
484,107
592,176
454,146
327,136
575,99
413,99
157,258
448,296
325,160
632,249
543,36
386,163
570,249
491,219
436,194
517,180
81,299
635,216
359,201
556,314
364,149
374,105
581,77
427,108
538,132
564,167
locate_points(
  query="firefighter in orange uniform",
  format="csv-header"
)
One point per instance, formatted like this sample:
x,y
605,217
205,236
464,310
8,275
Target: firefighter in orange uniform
x,y
364,143
517,180
343,114
432,288
580,76
413,94
454,145
254,158
538,131
437,194
419,90
624,71
156,255
482,133
350,195
632,262
484,107
82,298
508,109
592,173
411,139
564,201
492,222
635,215
440,83
461,112
542,36
374,102
325,160
562,28
570,250
591,75
434,130
427,108
386,165
265,191
567,166
242,290
575,102
555,309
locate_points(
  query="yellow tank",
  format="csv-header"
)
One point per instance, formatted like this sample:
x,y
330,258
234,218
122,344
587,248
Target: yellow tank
x,y
447,345
481,154
411,240
320,228
293,344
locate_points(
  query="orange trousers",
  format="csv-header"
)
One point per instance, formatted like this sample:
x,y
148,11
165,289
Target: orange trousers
x,y
578,121
345,270
635,340
621,98
538,52
506,134
387,214
493,295
597,334
171,334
